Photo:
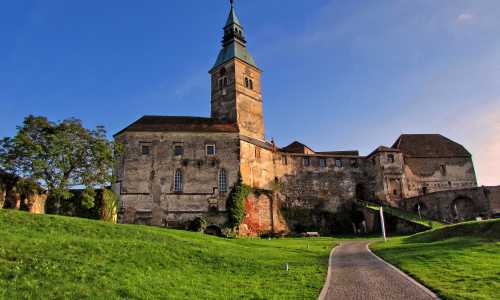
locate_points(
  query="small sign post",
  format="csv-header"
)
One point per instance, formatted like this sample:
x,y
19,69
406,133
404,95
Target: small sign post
x,y
382,222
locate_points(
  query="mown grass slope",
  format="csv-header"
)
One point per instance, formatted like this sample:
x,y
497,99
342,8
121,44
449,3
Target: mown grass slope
x,y
458,262
51,257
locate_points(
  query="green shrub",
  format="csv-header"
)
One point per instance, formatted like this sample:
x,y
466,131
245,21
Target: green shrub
x,y
236,203
87,198
199,224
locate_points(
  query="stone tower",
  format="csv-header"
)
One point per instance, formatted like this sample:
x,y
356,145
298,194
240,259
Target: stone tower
x,y
236,88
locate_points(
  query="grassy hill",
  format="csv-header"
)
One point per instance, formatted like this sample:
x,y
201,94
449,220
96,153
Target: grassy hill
x,y
51,257
410,217
460,261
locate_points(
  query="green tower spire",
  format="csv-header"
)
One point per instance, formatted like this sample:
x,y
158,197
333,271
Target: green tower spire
x,y
232,19
234,43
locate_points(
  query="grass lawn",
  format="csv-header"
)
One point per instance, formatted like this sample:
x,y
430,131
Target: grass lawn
x,y
457,262
410,217
52,257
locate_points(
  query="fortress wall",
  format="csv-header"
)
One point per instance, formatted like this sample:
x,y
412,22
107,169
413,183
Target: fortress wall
x,y
451,206
429,175
146,182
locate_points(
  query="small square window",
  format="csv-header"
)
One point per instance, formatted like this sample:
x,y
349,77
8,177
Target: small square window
x,y
210,150
178,150
338,163
442,168
354,163
145,149
307,162
322,163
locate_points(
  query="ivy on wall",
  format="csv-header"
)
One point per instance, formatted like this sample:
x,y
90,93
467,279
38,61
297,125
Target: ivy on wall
x,y
236,203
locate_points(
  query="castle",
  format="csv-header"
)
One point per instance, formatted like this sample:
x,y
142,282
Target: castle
x,y
175,169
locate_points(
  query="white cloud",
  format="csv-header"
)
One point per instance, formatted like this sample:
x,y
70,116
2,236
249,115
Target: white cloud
x,y
466,18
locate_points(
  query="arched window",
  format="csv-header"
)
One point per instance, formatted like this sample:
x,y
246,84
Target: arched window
x,y
226,81
178,181
222,72
222,181
247,83
251,84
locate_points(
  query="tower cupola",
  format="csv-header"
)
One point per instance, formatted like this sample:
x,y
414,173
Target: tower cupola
x,y
234,42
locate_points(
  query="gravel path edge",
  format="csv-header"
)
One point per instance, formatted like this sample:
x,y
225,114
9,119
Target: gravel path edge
x,y
326,286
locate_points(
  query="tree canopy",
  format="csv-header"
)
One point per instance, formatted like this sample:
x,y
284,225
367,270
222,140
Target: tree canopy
x,y
59,155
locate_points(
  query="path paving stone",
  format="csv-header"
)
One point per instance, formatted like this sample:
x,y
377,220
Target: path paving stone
x,y
356,273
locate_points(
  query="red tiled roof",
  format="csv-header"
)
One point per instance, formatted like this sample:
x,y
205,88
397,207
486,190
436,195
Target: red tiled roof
x,y
429,145
180,124
296,147
348,152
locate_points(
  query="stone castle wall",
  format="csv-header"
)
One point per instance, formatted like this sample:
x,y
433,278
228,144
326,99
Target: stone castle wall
x,y
429,175
146,182
453,205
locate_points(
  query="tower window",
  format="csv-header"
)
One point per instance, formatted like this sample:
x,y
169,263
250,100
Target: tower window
x,y
284,160
307,162
178,181
220,84
248,83
222,72
226,81
222,181
390,158
210,150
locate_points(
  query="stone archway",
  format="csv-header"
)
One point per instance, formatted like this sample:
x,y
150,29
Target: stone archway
x,y
213,230
463,208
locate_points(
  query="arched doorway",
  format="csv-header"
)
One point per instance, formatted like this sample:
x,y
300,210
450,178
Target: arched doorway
x,y
463,208
213,230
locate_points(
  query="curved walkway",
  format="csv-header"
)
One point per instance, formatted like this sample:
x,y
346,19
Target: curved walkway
x,y
356,273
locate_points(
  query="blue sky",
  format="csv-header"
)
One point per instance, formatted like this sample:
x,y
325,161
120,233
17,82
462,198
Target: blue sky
x,y
337,74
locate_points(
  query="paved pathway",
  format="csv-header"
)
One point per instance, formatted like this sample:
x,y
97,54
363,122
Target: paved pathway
x,y
356,273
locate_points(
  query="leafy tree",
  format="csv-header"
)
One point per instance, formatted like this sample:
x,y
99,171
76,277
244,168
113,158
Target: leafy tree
x,y
60,155
110,206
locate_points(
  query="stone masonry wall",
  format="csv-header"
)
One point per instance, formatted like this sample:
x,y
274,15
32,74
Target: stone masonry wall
x,y
494,197
451,206
428,175
146,182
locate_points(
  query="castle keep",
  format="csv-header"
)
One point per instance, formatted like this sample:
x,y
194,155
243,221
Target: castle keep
x,y
175,169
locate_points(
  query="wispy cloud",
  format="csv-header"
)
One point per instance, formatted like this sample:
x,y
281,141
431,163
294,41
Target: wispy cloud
x,y
466,18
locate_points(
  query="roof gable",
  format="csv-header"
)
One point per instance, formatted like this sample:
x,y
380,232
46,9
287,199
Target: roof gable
x,y
297,147
179,124
429,145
